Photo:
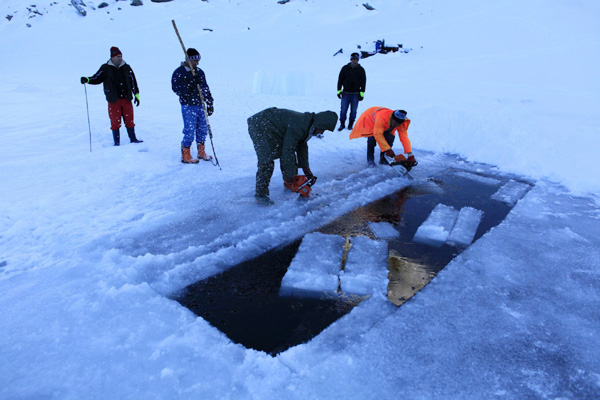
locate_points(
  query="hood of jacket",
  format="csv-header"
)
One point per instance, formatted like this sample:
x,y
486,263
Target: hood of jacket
x,y
326,120
123,63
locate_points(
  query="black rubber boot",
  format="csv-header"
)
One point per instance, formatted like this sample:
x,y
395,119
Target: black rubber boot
x,y
117,137
264,200
342,125
132,138
351,124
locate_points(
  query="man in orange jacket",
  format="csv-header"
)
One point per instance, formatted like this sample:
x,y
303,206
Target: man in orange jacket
x,y
379,125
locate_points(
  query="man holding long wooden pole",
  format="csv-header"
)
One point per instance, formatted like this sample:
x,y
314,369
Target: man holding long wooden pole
x,y
185,82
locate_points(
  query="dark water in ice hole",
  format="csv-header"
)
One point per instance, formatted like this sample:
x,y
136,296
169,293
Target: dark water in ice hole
x,y
244,303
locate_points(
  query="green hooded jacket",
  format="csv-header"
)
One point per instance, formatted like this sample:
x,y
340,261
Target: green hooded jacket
x,y
280,133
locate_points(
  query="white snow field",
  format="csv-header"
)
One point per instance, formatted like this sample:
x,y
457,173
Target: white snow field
x,y
94,244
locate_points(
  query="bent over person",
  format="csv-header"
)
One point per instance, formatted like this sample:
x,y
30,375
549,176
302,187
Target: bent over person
x,y
185,85
120,87
379,125
283,134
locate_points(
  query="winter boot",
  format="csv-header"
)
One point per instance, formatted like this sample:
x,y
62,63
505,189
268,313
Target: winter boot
x,y
350,124
342,125
132,138
202,153
186,156
264,200
116,137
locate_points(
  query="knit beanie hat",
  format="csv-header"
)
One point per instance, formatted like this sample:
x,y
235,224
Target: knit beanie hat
x,y
399,115
355,55
114,51
193,54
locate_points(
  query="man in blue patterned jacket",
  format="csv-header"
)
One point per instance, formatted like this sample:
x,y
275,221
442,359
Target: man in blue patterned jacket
x,y
185,85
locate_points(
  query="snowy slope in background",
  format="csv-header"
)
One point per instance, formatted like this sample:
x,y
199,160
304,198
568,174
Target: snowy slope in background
x,y
484,81
91,242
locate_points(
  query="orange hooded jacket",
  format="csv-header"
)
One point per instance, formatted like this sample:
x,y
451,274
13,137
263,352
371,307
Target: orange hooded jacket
x,y
376,120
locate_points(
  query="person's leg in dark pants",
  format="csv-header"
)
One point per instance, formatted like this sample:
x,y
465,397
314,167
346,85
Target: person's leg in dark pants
x,y
353,108
344,110
371,143
389,138
263,178
265,168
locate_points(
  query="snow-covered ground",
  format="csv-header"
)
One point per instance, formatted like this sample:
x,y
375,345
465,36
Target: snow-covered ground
x,y
93,243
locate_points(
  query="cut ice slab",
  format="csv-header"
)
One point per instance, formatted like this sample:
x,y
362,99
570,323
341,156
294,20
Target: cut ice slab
x,y
437,227
383,230
465,226
447,225
315,268
511,192
486,180
366,271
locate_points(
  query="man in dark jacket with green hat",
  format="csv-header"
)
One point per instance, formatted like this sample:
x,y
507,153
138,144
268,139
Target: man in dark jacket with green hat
x,y
280,133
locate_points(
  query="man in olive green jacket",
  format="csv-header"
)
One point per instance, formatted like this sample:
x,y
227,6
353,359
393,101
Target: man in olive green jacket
x,y
280,133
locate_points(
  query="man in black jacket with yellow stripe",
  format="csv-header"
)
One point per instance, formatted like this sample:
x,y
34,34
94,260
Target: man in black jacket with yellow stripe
x,y
120,87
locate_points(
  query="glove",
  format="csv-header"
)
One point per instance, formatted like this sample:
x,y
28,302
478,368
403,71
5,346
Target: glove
x,y
136,100
339,94
361,96
308,173
209,108
84,80
390,153
411,161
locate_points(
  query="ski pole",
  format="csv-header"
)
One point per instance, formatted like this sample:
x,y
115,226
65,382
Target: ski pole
x,y
88,115
189,63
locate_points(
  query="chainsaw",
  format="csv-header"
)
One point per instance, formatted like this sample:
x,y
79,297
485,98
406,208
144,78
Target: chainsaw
x,y
401,167
305,188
